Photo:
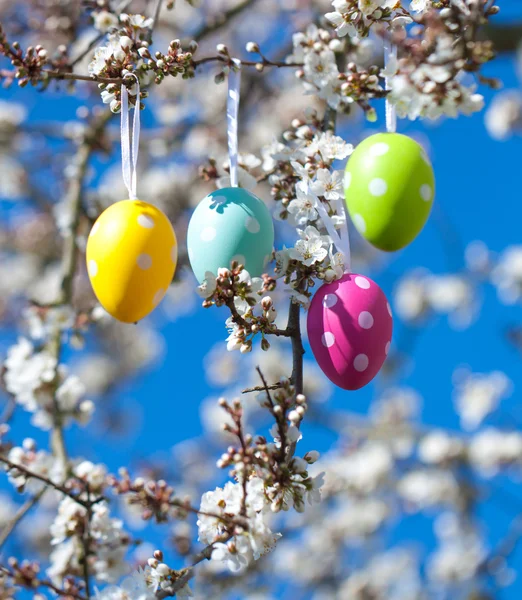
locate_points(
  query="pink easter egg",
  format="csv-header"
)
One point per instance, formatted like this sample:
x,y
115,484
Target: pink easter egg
x,y
350,328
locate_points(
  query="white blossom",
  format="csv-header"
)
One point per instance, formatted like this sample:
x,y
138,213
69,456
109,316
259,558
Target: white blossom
x,y
478,394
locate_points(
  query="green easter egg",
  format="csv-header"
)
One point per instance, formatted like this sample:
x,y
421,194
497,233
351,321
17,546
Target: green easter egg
x,y
389,188
230,224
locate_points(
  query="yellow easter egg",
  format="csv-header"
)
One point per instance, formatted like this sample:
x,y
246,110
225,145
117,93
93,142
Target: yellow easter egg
x,y
131,258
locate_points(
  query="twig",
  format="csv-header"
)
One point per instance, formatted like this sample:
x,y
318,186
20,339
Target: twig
x,y
8,410
19,515
48,584
65,75
222,20
263,388
155,19
49,483
86,542
280,424
99,37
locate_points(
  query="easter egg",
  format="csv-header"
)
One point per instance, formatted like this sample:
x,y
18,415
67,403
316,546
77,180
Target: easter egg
x,y
350,328
131,258
230,224
389,188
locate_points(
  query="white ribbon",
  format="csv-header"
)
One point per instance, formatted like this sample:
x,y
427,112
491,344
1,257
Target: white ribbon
x,y
234,81
341,240
129,153
390,54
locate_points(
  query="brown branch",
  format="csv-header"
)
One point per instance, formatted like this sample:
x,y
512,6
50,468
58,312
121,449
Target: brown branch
x,y
86,542
44,583
263,388
59,488
279,420
294,327
45,74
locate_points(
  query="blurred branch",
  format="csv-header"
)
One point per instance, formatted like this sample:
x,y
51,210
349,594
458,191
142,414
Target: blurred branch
x,y
506,37
42,583
222,19
19,515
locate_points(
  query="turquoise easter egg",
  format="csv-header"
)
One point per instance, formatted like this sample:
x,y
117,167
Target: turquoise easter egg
x,y
230,224
389,188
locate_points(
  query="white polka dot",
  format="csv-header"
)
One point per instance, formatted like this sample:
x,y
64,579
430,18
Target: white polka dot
x,y
145,221
158,297
365,320
93,268
387,348
360,363
347,179
328,339
239,258
174,253
208,234
144,261
330,300
378,187
94,229
426,192
360,223
389,308
252,225
379,149
362,282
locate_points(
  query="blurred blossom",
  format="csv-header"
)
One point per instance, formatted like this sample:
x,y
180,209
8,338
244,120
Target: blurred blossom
x,y
439,447
458,558
492,449
420,292
507,275
476,395
13,183
391,575
478,259
504,115
427,488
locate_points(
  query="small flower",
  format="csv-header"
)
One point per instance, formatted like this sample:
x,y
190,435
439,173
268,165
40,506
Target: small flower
x,y
302,208
308,252
104,20
328,184
209,285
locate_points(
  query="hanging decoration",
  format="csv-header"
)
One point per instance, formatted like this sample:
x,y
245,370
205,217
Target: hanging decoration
x,y
349,321
131,250
230,224
389,184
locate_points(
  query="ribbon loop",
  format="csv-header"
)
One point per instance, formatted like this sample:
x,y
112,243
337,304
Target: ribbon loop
x,y
340,240
390,56
129,152
234,84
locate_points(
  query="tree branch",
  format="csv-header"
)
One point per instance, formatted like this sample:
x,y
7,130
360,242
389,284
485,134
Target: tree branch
x,y
19,515
49,483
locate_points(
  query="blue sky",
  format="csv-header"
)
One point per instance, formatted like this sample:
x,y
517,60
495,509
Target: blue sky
x,y
478,192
